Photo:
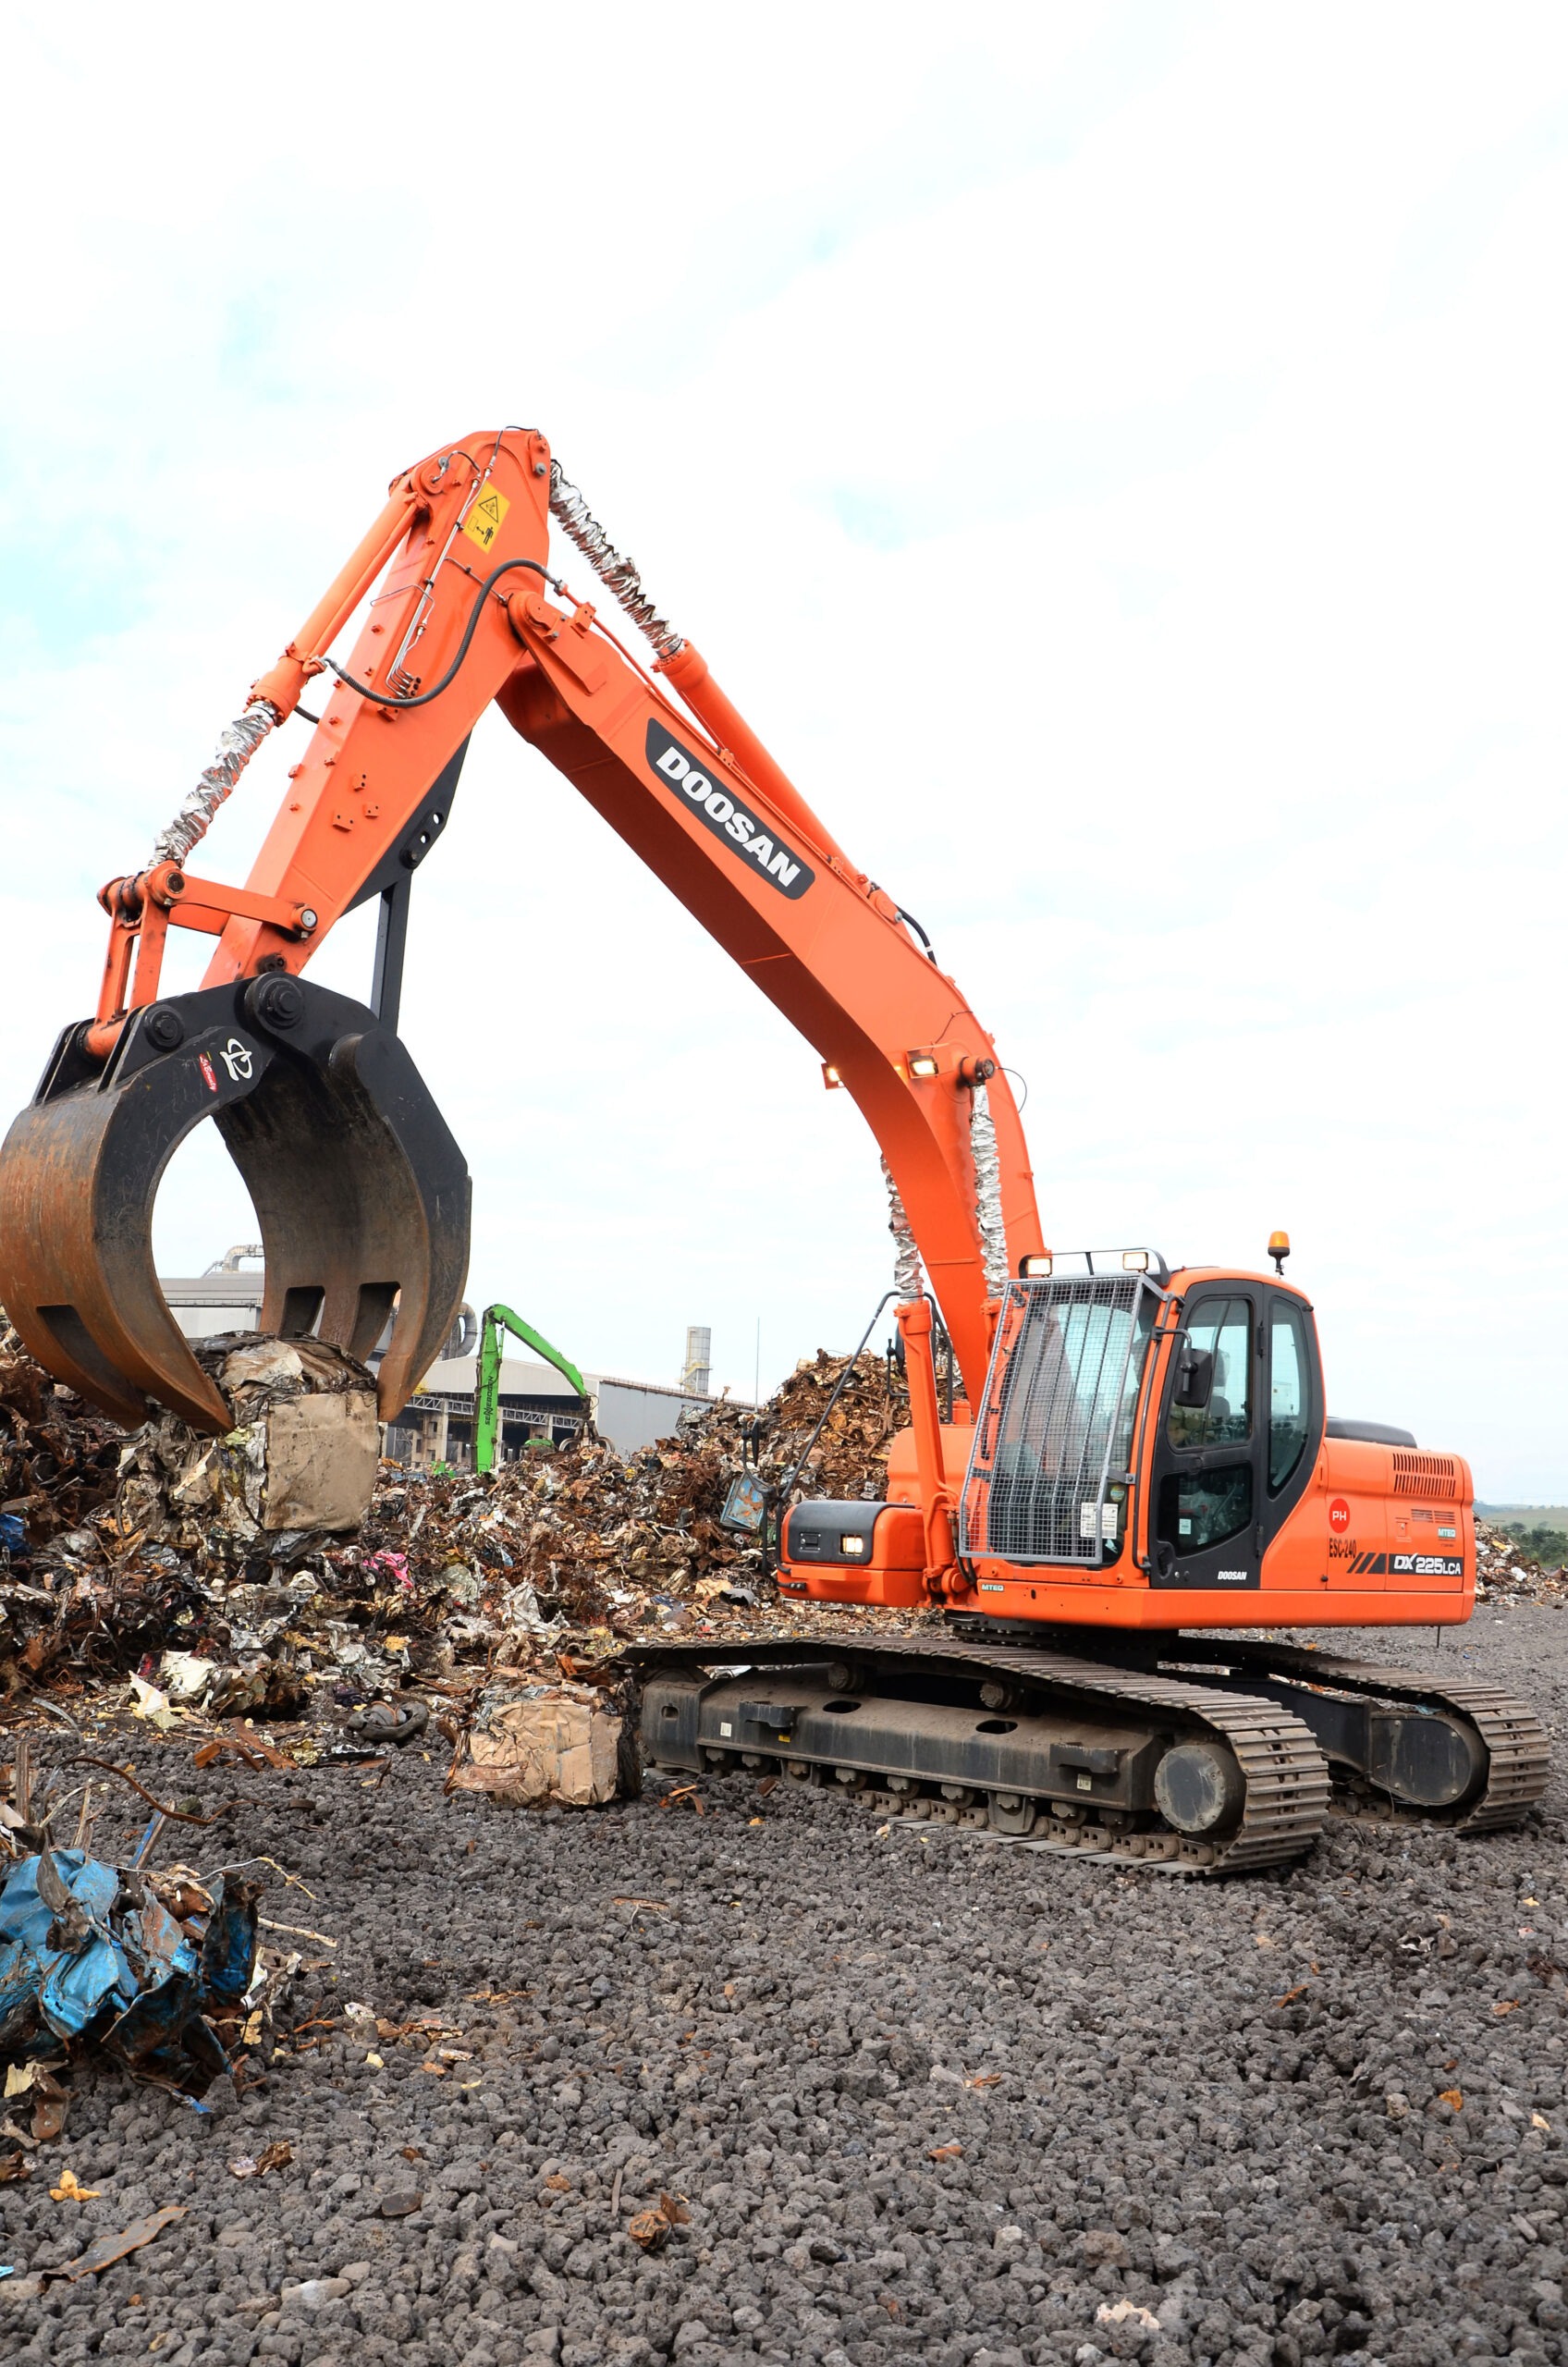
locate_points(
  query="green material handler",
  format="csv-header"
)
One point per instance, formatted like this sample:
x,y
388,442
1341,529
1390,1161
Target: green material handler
x,y
495,1321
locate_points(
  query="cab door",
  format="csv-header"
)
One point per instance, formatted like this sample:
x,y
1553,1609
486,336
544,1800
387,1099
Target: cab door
x,y
1208,1472
1243,1411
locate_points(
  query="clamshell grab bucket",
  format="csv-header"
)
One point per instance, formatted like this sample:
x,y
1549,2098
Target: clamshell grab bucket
x,y
361,1194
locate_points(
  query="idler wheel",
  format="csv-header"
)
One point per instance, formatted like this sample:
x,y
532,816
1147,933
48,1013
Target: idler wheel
x,y
1199,1788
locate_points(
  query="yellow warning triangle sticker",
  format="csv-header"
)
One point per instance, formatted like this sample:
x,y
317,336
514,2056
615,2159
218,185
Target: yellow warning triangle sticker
x,y
483,521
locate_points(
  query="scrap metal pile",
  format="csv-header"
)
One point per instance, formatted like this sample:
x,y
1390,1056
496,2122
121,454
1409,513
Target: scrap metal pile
x,y
59,1461
59,1465
1506,1571
171,1560
599,1541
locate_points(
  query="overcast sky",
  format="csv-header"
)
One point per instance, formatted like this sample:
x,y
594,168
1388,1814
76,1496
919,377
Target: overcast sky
x,y
1114,456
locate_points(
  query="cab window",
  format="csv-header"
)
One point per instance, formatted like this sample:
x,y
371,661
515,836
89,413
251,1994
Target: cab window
x,y
1203,1508
1287,1391
1224,1328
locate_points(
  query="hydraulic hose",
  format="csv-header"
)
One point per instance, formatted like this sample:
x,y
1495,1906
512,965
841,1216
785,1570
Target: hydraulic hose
x,y
422,698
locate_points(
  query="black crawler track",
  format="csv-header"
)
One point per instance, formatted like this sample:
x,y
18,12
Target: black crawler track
x,y
1518,1759
1287,1783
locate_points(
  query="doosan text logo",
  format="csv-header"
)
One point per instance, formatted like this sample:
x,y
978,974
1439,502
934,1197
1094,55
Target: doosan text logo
x,y
768,855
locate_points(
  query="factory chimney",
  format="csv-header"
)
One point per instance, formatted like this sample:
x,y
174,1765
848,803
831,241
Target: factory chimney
x,y
694,1372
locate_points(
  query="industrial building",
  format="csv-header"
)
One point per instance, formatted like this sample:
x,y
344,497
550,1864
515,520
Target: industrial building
x,y
436,1424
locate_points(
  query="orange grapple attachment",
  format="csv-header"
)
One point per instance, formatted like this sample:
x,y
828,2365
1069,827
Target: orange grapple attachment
x,y
361,1194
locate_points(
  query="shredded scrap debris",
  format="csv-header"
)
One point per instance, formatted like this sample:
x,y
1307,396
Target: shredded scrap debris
x,y
159,1971
157,1559
1506,1571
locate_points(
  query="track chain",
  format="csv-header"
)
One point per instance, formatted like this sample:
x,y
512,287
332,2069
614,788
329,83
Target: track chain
x,y
1287,1775
1518,1762
1094,1848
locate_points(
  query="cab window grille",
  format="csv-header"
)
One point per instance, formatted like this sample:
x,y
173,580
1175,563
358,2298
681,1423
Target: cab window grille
x,y
1055,1438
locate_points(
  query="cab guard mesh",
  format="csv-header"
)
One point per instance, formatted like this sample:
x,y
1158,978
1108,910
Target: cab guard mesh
x,y
1047,1472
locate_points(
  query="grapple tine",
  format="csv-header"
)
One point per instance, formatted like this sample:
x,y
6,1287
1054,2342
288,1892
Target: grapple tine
x,y
78,1174
362,1193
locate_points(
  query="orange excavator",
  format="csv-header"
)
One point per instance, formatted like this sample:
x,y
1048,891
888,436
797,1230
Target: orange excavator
x,y
1130,1459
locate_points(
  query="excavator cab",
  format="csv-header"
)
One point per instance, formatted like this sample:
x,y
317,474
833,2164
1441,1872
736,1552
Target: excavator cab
x,y
1151,1446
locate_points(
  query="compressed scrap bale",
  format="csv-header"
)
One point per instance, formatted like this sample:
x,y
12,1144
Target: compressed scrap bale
x,y
557,1746
321,1461
301,1459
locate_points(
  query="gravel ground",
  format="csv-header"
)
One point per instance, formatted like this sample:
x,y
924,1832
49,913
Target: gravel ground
x,y
1271,2120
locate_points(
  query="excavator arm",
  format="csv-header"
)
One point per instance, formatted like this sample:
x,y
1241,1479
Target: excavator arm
x,y
360,1193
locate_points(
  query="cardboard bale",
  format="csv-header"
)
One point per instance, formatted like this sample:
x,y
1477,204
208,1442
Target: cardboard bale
x,y
301,1459
321,1462
557,1746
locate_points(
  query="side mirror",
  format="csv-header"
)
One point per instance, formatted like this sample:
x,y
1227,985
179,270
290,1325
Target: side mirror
x,y
1195,1376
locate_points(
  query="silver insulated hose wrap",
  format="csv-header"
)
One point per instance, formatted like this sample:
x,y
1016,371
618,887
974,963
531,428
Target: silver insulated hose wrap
x,y
906,1257
988,1193
236,747
579,525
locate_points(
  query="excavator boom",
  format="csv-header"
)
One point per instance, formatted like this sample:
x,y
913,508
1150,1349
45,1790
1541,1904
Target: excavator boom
x,y
360,1195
